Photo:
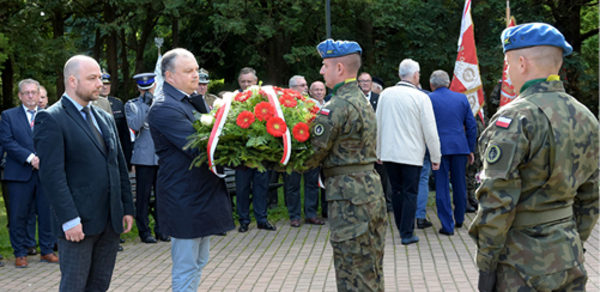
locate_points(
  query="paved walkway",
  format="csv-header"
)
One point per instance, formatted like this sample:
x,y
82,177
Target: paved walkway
x,y
291,259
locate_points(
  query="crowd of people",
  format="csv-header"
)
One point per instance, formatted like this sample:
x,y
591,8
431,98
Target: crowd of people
x,y
67,168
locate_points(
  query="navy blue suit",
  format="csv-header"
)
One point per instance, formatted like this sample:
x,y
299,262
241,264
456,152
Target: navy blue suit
x,y
23,181
457,130
192,203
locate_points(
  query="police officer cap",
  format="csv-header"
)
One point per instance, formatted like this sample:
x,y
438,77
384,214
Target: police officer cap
x,y
105,76
203,75
534,34
144,81
332,49
378,81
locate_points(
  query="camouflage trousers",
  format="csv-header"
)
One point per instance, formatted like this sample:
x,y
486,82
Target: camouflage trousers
x,y
509,279
359,260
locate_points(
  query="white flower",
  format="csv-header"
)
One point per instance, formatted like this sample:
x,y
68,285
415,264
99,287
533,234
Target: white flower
x,y
254,89
207,120
218,103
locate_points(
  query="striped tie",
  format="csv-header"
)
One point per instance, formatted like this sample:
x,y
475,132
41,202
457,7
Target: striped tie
x,y
32,113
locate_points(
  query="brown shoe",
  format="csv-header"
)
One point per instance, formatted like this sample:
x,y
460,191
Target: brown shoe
x,y
295,223
21,262
50,258
314,221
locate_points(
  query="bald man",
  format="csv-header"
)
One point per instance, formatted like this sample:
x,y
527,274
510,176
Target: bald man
x,y
357,211
75,141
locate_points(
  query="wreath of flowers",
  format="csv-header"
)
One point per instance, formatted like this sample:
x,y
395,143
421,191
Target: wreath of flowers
x,y
252,134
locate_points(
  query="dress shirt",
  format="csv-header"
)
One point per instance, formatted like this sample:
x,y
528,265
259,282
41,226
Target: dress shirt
x,y
30,117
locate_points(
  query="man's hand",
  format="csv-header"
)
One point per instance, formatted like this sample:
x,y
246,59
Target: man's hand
x,y
471,158
35,162
435,166
379,161
75,234
127,223
487,282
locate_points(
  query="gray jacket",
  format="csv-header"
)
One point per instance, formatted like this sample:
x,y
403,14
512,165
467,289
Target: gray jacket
x,y
143,148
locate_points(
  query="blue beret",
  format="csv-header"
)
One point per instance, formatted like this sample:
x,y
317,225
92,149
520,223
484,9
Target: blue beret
x,y
534,34
144,80
331,49
105,76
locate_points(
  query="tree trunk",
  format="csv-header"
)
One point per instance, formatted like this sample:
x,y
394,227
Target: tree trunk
x,y
125,68
272,52
58,32
97,50
175,33
146,31
7,84
111,49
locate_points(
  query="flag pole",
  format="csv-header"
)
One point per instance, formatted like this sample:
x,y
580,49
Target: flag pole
x,y
507,13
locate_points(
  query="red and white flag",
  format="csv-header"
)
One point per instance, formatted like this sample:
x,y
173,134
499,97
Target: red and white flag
x,y
466,69
508,93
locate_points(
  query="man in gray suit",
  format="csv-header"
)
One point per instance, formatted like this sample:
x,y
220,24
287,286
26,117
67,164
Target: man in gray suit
x,y
144,158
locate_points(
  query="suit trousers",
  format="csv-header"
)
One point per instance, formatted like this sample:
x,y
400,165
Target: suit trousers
x,y
260,187
22,196
88,265
423,196
145,177
452,166
189,257
405,187
293,198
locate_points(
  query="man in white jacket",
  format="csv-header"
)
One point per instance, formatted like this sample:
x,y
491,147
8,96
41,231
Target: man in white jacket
x,y
405,128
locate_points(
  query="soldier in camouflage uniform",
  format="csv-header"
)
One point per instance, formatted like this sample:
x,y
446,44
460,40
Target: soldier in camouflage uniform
x,y
473,169
343,138
538,201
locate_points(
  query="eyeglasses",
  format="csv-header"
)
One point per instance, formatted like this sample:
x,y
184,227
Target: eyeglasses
x,y
29,93
364,81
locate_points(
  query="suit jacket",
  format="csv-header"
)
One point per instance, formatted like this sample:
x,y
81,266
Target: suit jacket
x,y
118,112
193,202
374,99
456,124
16,138
143,150
79,178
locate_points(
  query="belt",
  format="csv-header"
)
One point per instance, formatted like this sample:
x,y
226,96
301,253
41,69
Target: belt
x,y
340,170
532,218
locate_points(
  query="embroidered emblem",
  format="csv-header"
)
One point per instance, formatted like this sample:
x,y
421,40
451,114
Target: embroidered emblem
x,y
319,130
492,154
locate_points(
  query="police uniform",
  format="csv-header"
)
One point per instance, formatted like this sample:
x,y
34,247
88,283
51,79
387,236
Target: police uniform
x,y
343,139
209,98
538,201
144,158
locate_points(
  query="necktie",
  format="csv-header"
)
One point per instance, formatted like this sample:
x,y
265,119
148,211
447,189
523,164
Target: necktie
x,y
198,103
32,113
90,122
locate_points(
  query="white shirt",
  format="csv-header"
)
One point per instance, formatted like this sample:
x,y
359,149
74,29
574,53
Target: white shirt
x,y
406,126
30,117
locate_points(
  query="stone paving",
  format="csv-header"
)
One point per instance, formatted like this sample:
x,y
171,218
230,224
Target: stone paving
x,y
291,259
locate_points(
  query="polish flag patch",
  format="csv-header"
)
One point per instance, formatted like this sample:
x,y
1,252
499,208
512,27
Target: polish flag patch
x,y
325,112
503,122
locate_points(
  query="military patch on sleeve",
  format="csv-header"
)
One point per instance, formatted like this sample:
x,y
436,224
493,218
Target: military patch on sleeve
x,y
319,130
503,122
325,112
492,154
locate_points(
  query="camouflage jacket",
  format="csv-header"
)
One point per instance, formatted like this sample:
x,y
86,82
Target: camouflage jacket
x,y
539,192
344,134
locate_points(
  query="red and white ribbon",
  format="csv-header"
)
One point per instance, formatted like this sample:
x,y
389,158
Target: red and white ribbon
x,y
213,140
287,137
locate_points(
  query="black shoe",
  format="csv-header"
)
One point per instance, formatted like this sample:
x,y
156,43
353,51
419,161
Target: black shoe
x,y
163,238
272,206
267,226
149,239
31,250
1,257
1,264
121,240
458,225
470,209
243,228
444,232
120,248
423,223
221,234
55,248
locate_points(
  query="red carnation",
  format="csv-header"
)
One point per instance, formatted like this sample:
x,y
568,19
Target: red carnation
x,y
301,132
276,126
314,109
243,96
288,101
264,111
245,119
311,118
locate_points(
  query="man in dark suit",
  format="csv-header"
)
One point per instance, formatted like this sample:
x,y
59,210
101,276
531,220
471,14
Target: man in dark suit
x,y
193,203
458,133
84,174
21,173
